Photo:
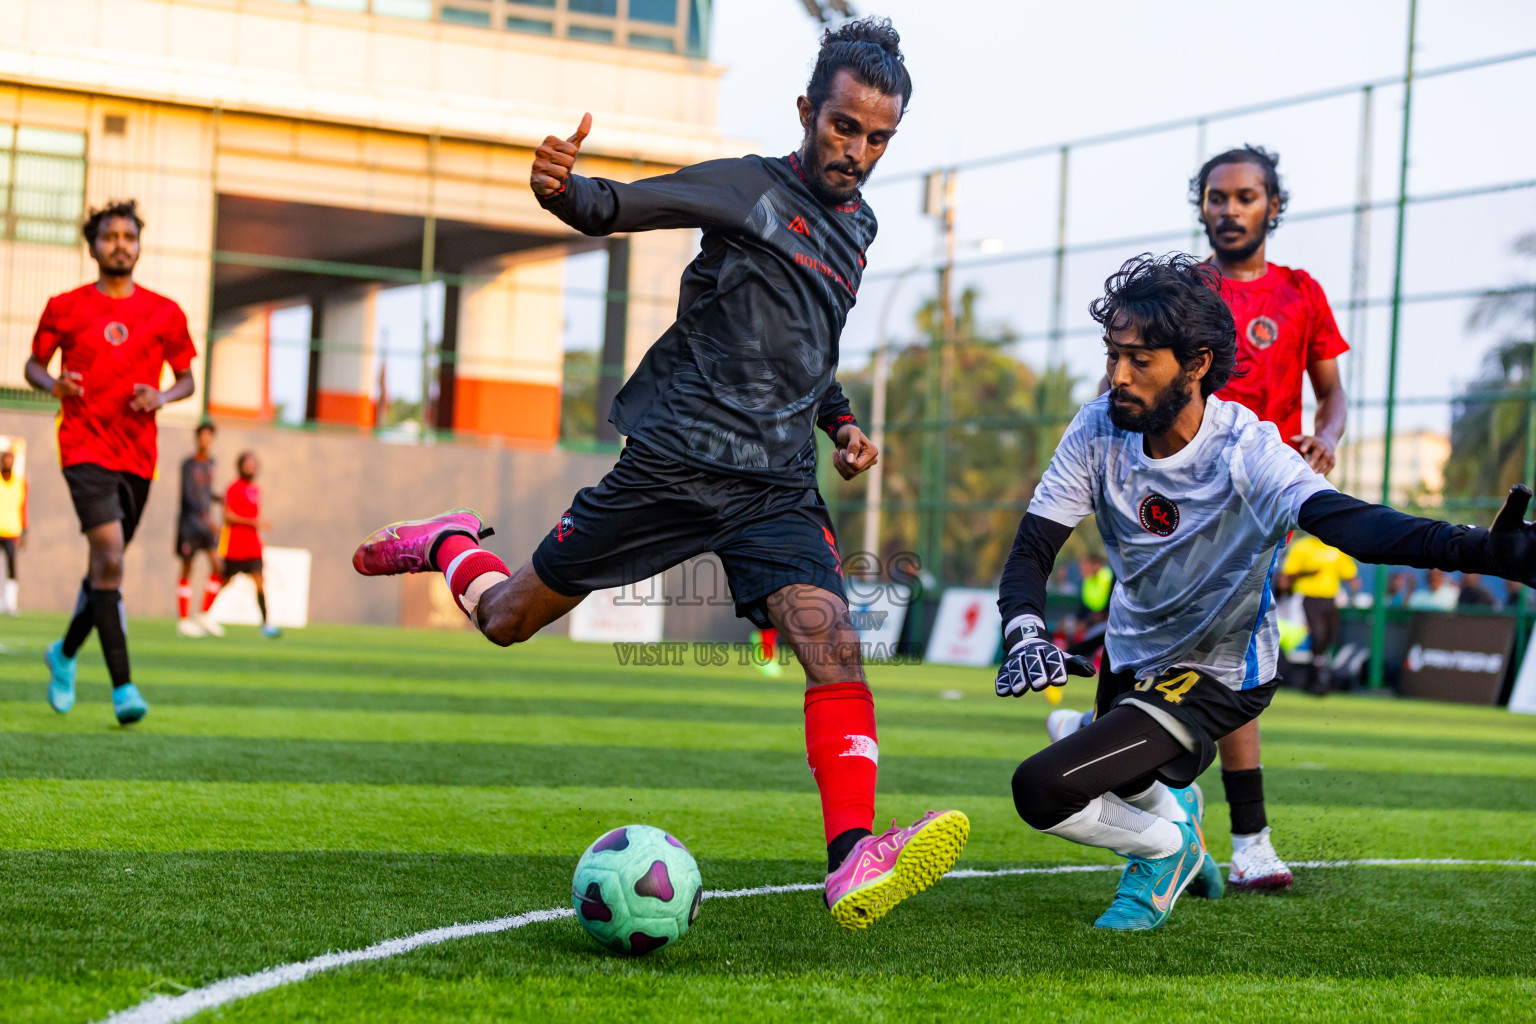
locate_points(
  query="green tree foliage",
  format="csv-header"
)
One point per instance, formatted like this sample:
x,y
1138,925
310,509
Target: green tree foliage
x,y
578,396
1488,438
1006,419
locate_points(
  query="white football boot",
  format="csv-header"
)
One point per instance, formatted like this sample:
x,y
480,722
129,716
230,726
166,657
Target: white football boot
x,y
1257,866
189,627
209,626
1063,723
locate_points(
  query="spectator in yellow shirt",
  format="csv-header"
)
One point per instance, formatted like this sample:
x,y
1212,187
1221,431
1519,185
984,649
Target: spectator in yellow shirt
x,y
13,525
1316,572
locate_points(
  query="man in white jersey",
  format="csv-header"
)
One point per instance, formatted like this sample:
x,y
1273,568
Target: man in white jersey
x,y
1195,499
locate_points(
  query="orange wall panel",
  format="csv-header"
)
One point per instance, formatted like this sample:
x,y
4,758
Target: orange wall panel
x,y
344,409
507,408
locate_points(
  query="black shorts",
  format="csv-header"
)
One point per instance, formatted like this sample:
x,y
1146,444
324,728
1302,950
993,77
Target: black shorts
x,y
193,535
651,512
233,568
102,495
1208,708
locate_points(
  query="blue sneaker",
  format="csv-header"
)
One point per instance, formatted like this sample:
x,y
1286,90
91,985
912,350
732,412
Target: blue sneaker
x,y
270,632
1208,884
128,704
1149,888
61,677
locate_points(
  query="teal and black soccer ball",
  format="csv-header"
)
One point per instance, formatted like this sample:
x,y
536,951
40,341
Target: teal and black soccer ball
x,y
636,889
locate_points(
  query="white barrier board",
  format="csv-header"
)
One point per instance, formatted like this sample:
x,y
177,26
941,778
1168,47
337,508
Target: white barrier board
x,y
285,573
631,614
967,629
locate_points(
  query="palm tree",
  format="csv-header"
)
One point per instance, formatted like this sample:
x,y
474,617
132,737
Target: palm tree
x,y
1490,422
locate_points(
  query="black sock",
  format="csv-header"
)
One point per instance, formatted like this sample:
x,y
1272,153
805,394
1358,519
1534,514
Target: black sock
x,y
261,602
842,845
80,625
1245,795
112,631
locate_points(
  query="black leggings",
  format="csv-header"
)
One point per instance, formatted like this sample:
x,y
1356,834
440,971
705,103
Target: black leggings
x,y
1117,753
8,545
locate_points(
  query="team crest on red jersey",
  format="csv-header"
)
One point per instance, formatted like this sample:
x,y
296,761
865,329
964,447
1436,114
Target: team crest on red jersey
x,y
566,526
1159,515
1263,332
115,332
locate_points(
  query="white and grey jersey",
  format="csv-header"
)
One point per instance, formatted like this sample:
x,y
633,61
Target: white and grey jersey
x,y
1194,539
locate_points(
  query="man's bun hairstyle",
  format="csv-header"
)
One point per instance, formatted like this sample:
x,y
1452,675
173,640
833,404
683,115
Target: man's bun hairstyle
x,y
1174,302
870,49
128,208
1261,158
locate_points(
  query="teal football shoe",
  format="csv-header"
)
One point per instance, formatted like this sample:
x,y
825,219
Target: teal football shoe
x,y
128,704
61,677
1149,888
1208,884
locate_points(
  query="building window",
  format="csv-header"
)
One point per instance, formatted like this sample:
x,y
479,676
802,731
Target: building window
x,y
645,41
658,12
43,173
533,25
608,8
588,34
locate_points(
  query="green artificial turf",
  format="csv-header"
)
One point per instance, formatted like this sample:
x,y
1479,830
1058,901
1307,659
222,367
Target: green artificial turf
x,y
343,786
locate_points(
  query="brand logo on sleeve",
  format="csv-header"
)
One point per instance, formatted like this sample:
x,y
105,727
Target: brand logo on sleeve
x,y
1262,332
115,332
565,527
1159,515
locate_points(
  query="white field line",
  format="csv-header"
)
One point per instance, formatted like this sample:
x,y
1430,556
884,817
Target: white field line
x,y
170,1009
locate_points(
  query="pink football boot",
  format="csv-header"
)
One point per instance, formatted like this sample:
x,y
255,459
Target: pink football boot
x,y
883,870
406,547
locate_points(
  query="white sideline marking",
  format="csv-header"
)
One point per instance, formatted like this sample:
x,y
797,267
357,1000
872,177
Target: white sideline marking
x,y
170,1009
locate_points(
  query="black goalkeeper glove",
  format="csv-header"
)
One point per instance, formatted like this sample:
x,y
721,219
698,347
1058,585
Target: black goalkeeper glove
x,y
1511,541
1032,662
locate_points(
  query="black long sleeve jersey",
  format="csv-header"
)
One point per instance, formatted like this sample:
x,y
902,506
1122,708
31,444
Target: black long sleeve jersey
x,y
741,380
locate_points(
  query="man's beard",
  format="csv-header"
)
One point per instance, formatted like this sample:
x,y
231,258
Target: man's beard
x,y
115,270
818,185
1160,417
1243,251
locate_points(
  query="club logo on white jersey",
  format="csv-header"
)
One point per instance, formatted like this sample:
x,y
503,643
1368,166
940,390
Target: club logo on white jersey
x,y
115,332
1159,515
1262,332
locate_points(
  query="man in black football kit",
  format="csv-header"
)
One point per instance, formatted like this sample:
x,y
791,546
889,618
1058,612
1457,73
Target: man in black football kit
x,y
196,533
720,417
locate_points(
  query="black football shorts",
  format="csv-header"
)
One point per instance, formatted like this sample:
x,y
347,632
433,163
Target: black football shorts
x,y
102,495
651,512
194,535
1207,707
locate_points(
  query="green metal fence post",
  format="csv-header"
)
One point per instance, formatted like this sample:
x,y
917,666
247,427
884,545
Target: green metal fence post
x,y
1379,611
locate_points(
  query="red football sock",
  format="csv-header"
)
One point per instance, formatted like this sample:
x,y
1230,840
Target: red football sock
x,y
467,574
183,597
210,591
769,638
453,545
843,754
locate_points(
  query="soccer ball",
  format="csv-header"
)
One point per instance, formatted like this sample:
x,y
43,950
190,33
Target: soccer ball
x,y
636,889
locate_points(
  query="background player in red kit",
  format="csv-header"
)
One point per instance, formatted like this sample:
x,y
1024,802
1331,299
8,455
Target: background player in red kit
x,y
1284,328
243,524
116,337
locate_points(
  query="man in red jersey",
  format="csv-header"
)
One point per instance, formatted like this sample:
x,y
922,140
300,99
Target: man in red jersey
x,y
242,550
1285,329
115,337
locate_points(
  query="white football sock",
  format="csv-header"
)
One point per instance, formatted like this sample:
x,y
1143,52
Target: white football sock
x,y
1241,843
1112,824
1158,799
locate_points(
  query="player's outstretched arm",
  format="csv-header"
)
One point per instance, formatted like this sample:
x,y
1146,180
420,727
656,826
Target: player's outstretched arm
x,y
1384,536
1030,660
716,193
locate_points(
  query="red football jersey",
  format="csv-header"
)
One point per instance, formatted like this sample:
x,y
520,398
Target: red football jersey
x,y
242,543
1283,323
113,344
